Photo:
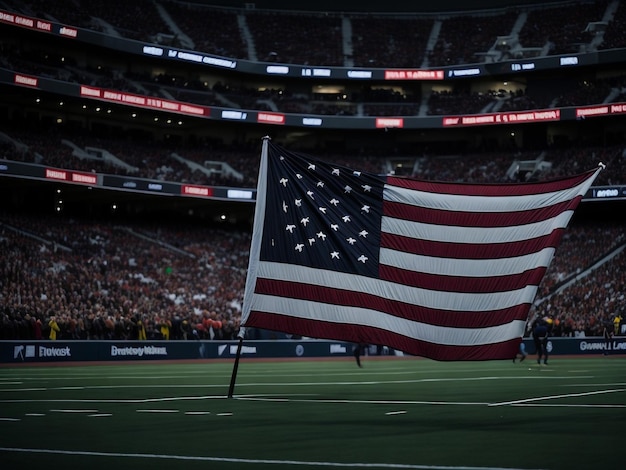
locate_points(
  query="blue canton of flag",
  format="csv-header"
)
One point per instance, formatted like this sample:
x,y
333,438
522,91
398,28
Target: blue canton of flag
x,y
322,216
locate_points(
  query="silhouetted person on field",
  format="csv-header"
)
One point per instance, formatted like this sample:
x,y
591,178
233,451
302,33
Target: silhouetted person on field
x,y
541,331
358,350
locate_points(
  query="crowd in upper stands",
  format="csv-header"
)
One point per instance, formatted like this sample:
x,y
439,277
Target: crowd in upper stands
x,y
373,40
185,161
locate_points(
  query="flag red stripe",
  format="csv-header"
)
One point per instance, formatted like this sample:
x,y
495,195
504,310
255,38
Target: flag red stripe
x,y
370,335
462,283
508,189
475,219
438,249
437,317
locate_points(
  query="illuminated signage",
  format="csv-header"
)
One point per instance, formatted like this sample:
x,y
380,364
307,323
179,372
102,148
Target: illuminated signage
x,y
54,174
237,115
603,110
271,118
69,32
84,178
414,74
151,50
463,72
198,58
384,123
25,80
190,190
144,101
315,72
502,118
277,69
525,66
359,74
239,194
311,121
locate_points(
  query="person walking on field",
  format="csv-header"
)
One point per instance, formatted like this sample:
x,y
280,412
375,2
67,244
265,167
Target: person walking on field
x,y
358,350
541,330
522,352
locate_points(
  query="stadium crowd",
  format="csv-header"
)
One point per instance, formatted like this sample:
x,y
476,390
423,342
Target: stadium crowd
x,y
119,280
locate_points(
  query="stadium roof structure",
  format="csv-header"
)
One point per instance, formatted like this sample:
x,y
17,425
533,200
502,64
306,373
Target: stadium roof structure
x,y
388,6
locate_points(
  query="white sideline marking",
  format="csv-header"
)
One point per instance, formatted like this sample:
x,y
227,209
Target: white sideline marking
x,y
34,414
224,414
157,411
111,400
369,402
389,413
10,419
100,415
551,397
302,384
556,405
250,461
73,411
197,412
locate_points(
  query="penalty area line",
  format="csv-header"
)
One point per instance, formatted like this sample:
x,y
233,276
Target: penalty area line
x,y
249,461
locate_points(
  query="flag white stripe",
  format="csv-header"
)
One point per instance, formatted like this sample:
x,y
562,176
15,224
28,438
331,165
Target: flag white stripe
x,y
472,302
468,203
466,267
323,312
489,235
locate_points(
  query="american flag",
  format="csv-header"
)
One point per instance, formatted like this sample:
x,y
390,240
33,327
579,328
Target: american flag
x,y
441,270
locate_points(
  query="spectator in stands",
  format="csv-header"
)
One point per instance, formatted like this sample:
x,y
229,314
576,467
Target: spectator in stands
x,y
617,321
53,326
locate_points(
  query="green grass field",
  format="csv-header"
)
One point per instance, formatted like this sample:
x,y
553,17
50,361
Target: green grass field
x,y
394,413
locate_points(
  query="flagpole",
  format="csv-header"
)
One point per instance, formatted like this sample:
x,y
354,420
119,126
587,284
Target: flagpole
x,y
253,262
233,377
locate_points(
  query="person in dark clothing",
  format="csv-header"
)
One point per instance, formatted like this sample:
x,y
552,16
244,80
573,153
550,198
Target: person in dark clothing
x,y
541,331
608,336
358,350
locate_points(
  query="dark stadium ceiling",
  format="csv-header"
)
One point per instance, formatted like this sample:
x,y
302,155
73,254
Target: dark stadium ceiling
x,y
387,6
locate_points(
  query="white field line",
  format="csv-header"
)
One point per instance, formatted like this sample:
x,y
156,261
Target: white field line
x,y
248,461
113,400
553,397
296,372
366,402
156,411
301,384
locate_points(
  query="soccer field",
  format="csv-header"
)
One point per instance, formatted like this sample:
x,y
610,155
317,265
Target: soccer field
x,y
393,413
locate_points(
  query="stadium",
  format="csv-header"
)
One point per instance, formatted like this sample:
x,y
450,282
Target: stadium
x,y
132,136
